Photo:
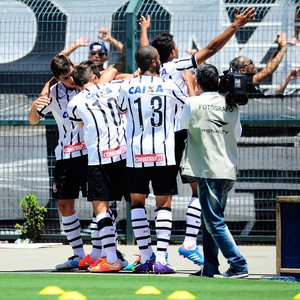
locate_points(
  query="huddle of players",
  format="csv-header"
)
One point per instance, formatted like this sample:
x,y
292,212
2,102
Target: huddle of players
x,y
113,131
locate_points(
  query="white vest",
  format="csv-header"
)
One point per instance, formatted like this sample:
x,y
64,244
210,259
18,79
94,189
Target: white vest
x,y
213,130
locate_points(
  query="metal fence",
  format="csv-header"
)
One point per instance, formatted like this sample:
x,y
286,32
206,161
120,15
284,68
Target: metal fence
x,y
32,32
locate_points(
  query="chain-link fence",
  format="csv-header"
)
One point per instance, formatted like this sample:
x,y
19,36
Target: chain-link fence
x,y
32,32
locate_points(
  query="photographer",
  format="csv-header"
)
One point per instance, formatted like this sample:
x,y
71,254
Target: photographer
x,y
211,156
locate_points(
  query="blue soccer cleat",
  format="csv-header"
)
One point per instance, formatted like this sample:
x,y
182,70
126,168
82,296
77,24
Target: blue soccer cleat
x,y
193,255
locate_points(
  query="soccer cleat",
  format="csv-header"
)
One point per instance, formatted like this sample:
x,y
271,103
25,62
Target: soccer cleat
x,y
152,259
129,267
193,255
123,261
232,273
159,268
143,267
104,266
85,262
96,263
71,263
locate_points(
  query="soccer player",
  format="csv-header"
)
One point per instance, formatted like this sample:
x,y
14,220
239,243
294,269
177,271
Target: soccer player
x,y
149,102
70,153
172,67
71,158
95,108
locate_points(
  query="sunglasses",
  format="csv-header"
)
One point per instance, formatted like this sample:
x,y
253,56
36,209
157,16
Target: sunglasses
x,y
100,53
250,62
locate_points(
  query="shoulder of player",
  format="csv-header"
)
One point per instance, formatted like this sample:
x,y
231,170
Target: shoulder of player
x,y
170,82
134,81
75,99
59,91
176,61
184,59
54,88
118,81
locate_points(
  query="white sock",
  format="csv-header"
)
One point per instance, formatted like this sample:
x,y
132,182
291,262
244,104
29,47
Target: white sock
x,y
71,226
193,223
163,226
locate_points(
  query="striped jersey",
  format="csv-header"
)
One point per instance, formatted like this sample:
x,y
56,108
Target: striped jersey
x,y
104,126
150,105
70,140
174,70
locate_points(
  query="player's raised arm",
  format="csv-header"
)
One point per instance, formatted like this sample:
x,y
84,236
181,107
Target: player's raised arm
x,y
145,25
189,80
108,75
220,41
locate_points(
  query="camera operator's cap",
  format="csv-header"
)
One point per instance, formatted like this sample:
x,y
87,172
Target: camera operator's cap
x,y
98,46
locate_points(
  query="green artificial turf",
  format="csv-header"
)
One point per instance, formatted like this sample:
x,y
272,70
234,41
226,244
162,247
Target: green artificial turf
x,y
121,286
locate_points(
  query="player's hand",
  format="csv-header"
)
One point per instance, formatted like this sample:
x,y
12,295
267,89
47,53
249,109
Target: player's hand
x,y
248,15
104,34
191,51
82,41
41,102
145,23
188,77
137,72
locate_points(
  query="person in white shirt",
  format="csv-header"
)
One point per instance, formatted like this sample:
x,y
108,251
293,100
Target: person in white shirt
x,y
149,102
70,153
95,108
211,156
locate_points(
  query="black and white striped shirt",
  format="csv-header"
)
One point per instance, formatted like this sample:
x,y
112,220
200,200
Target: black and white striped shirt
x,y
104,126
174,70
70,142
150,105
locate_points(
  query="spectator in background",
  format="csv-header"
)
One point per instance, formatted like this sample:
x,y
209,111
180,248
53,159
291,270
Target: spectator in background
x,y
211,156
98,52
254,77
292,75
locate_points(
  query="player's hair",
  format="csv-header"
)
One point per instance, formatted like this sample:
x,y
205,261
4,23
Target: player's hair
x,y
164,44
207,76
92,65
236,63
144,57
60,65
82,74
